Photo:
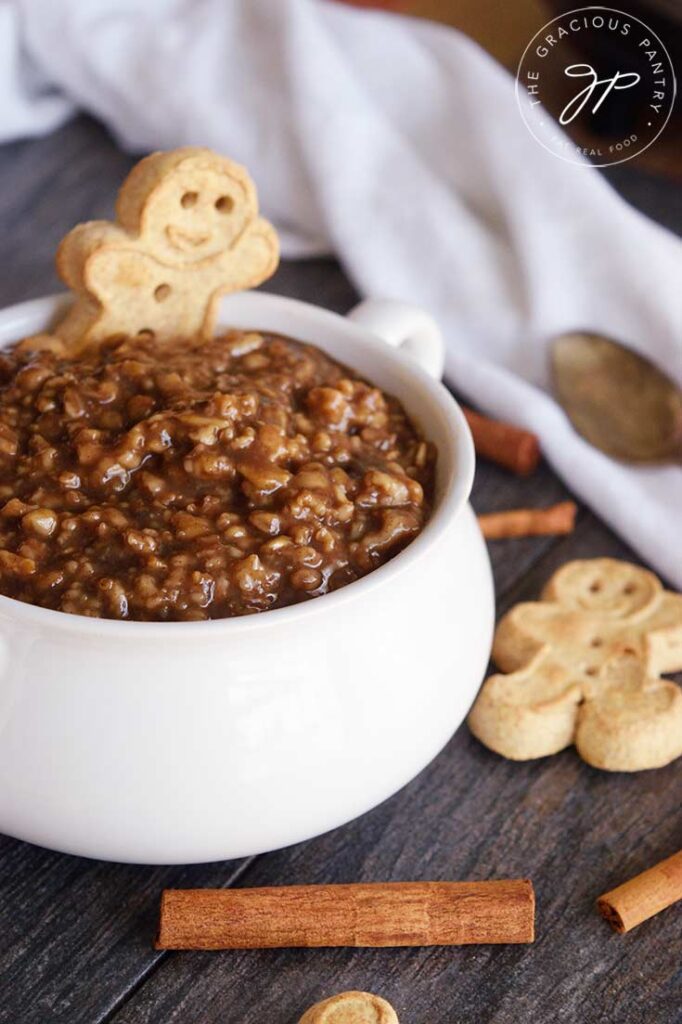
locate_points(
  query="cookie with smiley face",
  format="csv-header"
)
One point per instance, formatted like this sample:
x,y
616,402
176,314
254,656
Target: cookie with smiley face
x,y
583,666
187,232
351,1008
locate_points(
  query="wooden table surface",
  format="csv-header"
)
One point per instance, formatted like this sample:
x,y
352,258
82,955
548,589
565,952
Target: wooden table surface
x,y
76,935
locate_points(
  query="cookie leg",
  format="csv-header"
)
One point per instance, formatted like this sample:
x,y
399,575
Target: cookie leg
x,y
634,724
527,714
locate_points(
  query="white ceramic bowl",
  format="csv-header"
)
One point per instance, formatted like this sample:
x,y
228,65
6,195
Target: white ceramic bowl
x,y
181,742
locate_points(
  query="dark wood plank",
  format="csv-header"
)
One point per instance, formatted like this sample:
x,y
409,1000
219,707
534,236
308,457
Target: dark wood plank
x,y
46,186
496,488
471,814
75,933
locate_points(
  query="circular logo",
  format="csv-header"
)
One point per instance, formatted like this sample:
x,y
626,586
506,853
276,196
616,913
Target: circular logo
x,y
602,73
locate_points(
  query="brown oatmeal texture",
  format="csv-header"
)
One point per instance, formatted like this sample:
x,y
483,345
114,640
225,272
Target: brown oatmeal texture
x,y
196,480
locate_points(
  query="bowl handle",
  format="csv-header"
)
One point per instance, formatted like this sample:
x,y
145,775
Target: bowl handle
x,y
404,326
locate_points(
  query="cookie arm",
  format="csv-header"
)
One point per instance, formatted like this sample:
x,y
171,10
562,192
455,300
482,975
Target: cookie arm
x,y
663,644
79,245
252,260
74,256
514,646
255,257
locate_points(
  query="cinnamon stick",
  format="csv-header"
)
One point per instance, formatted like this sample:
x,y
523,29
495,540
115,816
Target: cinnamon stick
x,y
508,446
529,522
643,896
380,914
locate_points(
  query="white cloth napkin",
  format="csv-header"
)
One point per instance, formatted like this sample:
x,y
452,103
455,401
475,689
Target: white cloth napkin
x,y
397,145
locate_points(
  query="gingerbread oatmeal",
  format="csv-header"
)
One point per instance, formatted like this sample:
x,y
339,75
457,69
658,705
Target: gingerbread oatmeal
x,y
199,480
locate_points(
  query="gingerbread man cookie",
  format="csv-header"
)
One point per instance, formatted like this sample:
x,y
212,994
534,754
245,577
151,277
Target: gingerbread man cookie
x,y
187,232
351,1008
583,665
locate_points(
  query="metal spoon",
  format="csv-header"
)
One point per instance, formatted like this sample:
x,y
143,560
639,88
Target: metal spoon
x,y
616,399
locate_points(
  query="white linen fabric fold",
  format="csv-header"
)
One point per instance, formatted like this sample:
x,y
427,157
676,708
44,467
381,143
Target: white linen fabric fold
x,y
397,145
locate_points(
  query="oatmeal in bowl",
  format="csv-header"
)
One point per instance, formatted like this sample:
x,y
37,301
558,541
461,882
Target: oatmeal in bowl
x,y
188,480
243,597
